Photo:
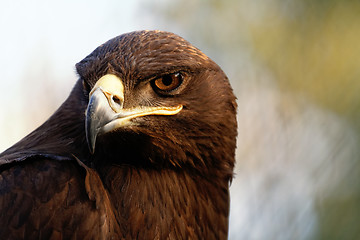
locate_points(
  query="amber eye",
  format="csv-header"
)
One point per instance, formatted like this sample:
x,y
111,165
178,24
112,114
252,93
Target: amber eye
x,y
168,82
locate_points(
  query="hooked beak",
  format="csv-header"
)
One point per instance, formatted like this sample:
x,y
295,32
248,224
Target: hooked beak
x,y
105,111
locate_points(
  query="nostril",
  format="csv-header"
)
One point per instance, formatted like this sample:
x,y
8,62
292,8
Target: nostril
x,y
116,100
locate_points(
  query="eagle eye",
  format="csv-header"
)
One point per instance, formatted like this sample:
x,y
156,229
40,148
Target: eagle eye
x,y
167,82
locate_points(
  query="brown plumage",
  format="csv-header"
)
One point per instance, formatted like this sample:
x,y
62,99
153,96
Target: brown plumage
x,y
151,158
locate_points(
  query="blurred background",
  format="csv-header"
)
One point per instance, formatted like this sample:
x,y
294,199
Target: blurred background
x,y
295,69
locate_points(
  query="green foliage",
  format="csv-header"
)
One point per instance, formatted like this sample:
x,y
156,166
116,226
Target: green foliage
x,y
316,53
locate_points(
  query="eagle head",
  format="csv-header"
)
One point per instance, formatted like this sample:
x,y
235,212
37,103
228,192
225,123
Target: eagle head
x,y
153,99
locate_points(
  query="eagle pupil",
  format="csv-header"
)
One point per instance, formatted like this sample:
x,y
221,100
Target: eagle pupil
x,y
167,80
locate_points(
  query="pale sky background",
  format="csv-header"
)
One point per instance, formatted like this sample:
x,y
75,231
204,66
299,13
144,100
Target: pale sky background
x,y
43,40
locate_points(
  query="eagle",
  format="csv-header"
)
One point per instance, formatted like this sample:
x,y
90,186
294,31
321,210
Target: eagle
x,y
143,148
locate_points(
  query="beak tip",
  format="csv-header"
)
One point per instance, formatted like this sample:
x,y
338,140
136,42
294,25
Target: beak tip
x,y
90,137
91,140
92,152
92,149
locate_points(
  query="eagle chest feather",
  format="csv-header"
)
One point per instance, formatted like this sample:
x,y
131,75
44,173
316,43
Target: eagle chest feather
x,y
166,204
